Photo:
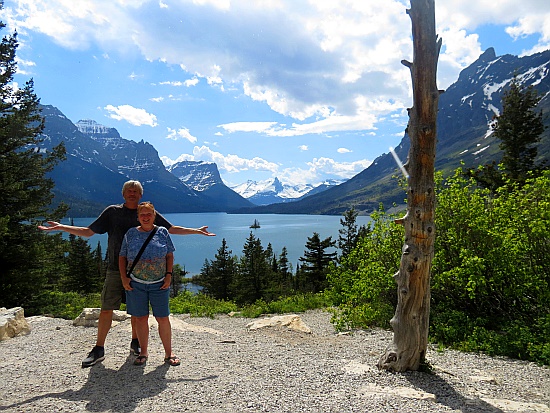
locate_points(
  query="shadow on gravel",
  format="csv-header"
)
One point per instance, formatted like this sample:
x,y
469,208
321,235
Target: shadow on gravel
x,y
446,395
114,390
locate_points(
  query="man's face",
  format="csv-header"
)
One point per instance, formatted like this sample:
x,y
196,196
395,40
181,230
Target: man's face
x,y
132,195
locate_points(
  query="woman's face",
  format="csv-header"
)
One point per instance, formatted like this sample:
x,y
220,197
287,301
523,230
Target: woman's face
x,y
146,217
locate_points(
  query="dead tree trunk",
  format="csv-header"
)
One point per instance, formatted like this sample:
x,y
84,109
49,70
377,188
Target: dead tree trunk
x,y
411,320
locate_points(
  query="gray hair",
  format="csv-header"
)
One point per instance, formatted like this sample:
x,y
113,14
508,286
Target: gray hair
x,y
132,184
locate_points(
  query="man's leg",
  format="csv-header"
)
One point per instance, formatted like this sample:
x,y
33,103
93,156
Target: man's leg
x,y
103,326
111,298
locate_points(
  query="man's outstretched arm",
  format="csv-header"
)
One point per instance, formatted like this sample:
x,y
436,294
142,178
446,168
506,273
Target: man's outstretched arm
x,y
71,229
177,230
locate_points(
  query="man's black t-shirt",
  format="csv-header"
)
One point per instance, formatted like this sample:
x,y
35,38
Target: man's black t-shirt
x,y
116,220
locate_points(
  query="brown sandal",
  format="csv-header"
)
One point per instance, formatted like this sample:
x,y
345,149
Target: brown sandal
x,y
140,361
172,360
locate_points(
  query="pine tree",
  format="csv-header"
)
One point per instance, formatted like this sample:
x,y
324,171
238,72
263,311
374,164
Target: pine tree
x,y
315,263
250,282
519,128
348,234
216,276
26,192
82,276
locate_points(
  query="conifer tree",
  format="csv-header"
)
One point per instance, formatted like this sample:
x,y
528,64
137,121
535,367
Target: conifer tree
x,y
519,128
350,232
82,276
26,191
315,263
250,281
216,276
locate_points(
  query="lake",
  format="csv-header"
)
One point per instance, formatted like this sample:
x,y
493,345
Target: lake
x,y
290,231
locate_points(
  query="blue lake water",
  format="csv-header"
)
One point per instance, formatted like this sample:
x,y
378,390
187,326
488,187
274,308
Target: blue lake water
x,y
290,231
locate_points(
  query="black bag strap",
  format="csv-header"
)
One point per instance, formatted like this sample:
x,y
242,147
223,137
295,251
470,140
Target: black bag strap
x,y
138,256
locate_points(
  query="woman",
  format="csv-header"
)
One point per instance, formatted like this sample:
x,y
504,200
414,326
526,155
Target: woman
x,y
149,280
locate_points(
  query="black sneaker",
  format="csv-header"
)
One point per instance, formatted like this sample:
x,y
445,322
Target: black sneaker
x,y
134,346
96,355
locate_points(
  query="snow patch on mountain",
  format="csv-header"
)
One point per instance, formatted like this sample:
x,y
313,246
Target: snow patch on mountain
x,y
274,191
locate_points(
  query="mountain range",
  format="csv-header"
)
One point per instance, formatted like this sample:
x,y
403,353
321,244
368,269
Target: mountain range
x,y
99,160
273,191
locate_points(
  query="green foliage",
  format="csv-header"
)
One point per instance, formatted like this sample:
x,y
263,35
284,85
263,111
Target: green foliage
x,y
362,286
254,272
294,304
59,304
200,305
83,275
490,280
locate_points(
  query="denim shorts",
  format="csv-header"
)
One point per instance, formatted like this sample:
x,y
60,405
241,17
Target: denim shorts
x,y
138,300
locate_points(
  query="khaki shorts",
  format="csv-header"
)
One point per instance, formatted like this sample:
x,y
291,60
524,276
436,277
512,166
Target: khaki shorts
x,y
111,296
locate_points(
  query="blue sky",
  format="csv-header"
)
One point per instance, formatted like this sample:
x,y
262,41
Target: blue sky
x,y
301,90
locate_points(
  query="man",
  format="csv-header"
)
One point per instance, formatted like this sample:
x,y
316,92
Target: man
x,y
116,220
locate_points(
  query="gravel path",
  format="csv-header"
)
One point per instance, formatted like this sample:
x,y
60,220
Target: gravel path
x,y
228,368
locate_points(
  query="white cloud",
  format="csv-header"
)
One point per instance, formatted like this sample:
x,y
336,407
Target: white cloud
x,y
182,133
132,115
344,150
228,163
303,147
319,169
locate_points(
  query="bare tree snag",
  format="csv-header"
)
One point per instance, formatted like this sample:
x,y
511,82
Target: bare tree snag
x,y
411,320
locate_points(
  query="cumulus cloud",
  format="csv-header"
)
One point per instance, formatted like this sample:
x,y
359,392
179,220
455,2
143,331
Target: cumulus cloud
x,y
228,163
182,133
303,60
317,171
132,115
321,169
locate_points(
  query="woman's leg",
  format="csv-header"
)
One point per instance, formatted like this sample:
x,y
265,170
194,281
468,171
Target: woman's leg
x,y
160,300
142,330
165,333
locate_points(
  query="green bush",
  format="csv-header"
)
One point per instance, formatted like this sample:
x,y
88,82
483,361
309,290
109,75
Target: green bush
x,y
362,287
200,305
490,275
64,305
298,303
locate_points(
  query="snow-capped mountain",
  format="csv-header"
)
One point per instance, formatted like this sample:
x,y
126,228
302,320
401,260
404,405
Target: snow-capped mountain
x,y
204,177
99,161
272,191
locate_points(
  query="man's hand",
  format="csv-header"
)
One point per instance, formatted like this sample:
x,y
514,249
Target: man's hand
x,y
52,226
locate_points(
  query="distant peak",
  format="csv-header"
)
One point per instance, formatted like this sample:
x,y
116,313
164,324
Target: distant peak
x,y
488,55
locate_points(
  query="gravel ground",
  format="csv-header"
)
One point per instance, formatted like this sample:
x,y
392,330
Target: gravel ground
x,y
228,368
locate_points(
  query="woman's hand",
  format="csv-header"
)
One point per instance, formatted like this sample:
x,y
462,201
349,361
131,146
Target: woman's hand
x,y
126,283
167,282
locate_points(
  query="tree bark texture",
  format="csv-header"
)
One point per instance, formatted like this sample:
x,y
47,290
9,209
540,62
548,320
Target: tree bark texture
x,y
411,320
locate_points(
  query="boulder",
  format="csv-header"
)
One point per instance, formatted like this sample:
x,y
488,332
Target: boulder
x,y
13,323
292,321
89,316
